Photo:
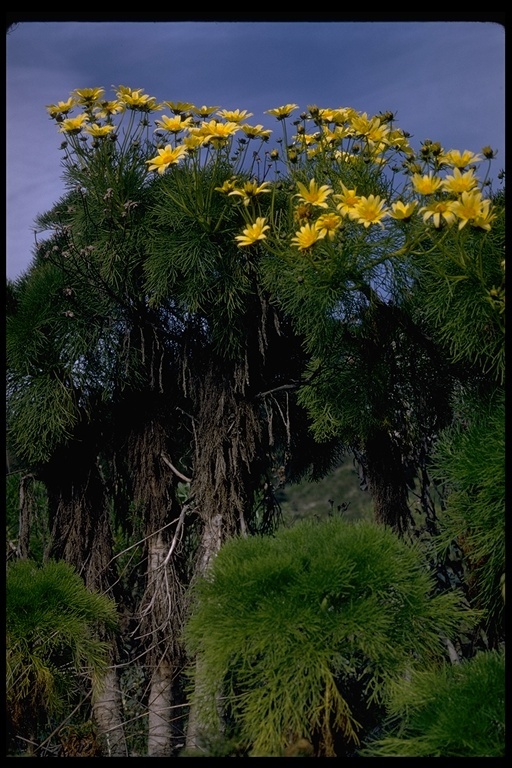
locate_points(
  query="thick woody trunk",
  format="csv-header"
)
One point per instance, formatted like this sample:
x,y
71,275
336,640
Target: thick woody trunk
x,y
107,710
154,487
160,707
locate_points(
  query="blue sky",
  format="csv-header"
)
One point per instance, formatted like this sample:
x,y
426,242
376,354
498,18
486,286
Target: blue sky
x,y
444,80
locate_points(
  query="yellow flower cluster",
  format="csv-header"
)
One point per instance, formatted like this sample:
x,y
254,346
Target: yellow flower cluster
x,y
336,138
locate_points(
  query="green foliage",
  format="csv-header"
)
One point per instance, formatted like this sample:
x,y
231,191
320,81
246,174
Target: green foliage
x,y
51,618
285,625
450,711
469,461
462,298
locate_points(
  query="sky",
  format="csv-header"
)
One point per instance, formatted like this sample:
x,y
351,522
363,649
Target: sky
x,y
443,79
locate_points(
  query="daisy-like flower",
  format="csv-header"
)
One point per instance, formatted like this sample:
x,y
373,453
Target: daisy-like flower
x,y
166,157
397,139
282,112
228,186
178,107
306,237
137,100
250,190
108,108
347,200
369,210
328,224
204,111
256,132
216,132
253,232
315,195
173,124
458,159
402,211
234,115
439,211
61,108
99,131
426,184
459,182
88,97
73,124
191,143
472,207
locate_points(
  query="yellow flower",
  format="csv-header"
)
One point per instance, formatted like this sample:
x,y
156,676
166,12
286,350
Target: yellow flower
x,y
348,199
173,124
282,112
204,111
459,182
439,210
61,108
227,187
191,143
234,116
166,157
369,210
402,211
88,96
178,107
459,159
216,132
73,124
256,131
471,207
253,232
99,131
250,190
136,99
306,237
427,184
328,224
107,108
315,195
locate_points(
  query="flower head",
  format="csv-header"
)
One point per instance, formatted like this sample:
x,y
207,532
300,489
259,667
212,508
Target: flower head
x,y
282,112
307,236
472,207
137,100
253,232
250,190
459,182
402,211
215,131
234,115
61,108
439,211
178,107
99,131
256,132
173,124
88,97
314,195
426,184
369,210
73,124
459,159
166,157
204,111
328,224
107,108
347,200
